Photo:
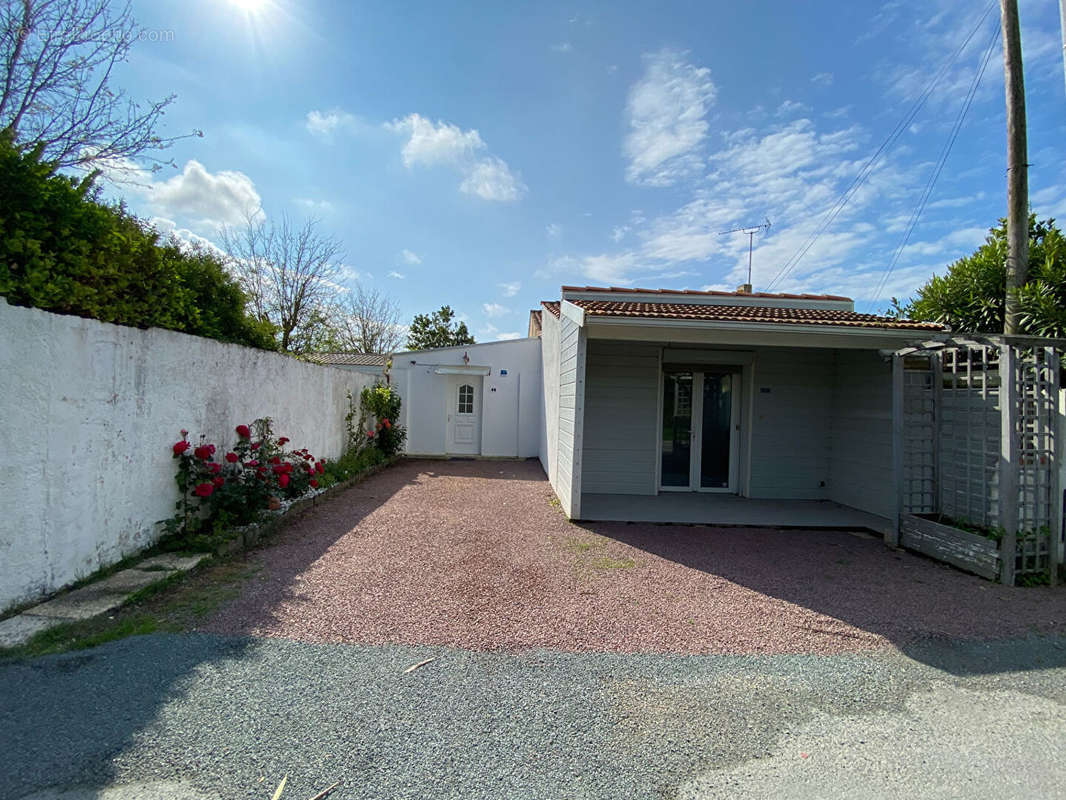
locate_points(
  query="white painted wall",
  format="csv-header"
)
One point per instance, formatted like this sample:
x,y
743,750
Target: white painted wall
x,y
621,442
88,414
510,403
860,455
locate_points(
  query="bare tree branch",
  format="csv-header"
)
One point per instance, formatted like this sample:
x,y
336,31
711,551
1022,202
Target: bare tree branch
x,y
289,273
57,58
370,323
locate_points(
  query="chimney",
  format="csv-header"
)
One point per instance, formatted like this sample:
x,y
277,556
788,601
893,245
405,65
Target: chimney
x,y
744,288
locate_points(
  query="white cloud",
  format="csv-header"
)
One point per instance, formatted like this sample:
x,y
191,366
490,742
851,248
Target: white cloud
x,y
495,309
410,257
790,108
490,331
491,179
563,47
506,336
314,205
397,275
665,113
822,79
168,227
442,143
619,233
221,198
324,124
553,230
510,289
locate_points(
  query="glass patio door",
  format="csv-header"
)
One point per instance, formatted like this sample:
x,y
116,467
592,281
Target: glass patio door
x,y
699,421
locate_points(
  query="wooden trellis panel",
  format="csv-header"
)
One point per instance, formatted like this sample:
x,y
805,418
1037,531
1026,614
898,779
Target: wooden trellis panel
x,y
919,437
970,435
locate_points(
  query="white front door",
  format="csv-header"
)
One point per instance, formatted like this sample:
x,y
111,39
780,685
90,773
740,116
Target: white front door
x,y
463,403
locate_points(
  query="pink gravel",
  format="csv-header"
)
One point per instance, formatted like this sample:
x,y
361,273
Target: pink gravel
x,y
473,554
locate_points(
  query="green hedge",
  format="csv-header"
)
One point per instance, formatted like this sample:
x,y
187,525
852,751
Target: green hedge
x,y
63,250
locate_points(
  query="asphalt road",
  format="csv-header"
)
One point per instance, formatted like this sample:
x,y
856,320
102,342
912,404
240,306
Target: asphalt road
x,y
198,716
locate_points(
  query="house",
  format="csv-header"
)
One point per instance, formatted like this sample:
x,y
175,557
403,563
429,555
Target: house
x,y
679,405
682,406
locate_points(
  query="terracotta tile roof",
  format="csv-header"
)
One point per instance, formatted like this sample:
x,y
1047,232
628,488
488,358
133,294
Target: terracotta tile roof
x,y
693,292
763,314
535,324
348,359
552,306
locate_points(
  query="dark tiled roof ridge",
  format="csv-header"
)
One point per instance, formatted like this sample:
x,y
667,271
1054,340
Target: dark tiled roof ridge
x,y
702,293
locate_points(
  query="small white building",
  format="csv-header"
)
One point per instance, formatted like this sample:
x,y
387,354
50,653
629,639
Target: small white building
x,y
474,400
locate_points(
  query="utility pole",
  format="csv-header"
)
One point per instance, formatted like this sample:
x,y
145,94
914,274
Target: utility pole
x,y
1017,165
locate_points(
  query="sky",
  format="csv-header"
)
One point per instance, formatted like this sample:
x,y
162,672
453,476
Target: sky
x,y
481,155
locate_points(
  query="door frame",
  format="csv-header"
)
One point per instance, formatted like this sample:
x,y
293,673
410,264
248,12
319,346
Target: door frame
x,y
452,383
741,364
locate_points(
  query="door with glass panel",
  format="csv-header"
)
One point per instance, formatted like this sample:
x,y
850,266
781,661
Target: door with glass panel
x,y
700,420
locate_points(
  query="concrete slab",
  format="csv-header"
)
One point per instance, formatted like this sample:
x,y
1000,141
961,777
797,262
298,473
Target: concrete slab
x,y
80,604
127,581
19,629
172,561
725,509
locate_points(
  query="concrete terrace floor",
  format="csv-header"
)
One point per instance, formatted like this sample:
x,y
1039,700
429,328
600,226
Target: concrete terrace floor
x,y
557,661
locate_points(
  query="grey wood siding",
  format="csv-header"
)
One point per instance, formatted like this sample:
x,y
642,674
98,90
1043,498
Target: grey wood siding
x,y
621,406
791,425
549,353
861,439
571,400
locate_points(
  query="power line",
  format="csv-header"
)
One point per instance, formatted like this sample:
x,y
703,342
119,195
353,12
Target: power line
x,y
867,168
944,153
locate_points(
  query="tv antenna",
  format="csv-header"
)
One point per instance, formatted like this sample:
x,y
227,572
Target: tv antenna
x,y
751,230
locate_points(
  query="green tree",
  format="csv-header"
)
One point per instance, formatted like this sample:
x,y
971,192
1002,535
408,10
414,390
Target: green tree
x,y
63,251
437,330
971,295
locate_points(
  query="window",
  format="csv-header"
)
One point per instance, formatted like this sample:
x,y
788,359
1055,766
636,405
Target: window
x,y
466,399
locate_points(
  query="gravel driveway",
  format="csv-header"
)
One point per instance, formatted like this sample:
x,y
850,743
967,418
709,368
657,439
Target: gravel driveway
x,y
474,554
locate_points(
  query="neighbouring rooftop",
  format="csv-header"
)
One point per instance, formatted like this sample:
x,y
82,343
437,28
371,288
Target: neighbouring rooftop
x,y
348,359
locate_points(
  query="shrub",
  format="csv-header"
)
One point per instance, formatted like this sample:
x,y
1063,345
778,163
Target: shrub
x,y
63,250
220,489
380,406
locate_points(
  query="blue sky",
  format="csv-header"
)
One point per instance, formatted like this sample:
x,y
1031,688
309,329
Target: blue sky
x,y
482,155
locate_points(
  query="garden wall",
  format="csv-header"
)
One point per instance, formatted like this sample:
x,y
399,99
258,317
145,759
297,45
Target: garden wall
x,y
88,414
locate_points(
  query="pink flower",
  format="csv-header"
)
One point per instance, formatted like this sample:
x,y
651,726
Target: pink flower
x,y
244,432
204,489
370,434
252,463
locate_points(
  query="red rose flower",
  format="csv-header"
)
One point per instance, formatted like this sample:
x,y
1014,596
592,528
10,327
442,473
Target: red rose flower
x,y
232,457
218,481
320,467
283,480
215,468
252,463
180,447
244,431
203,452
275,460
314,483
255,445
204,489
283,440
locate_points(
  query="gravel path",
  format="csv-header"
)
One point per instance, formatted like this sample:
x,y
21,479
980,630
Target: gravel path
x,y
474,555
202,717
